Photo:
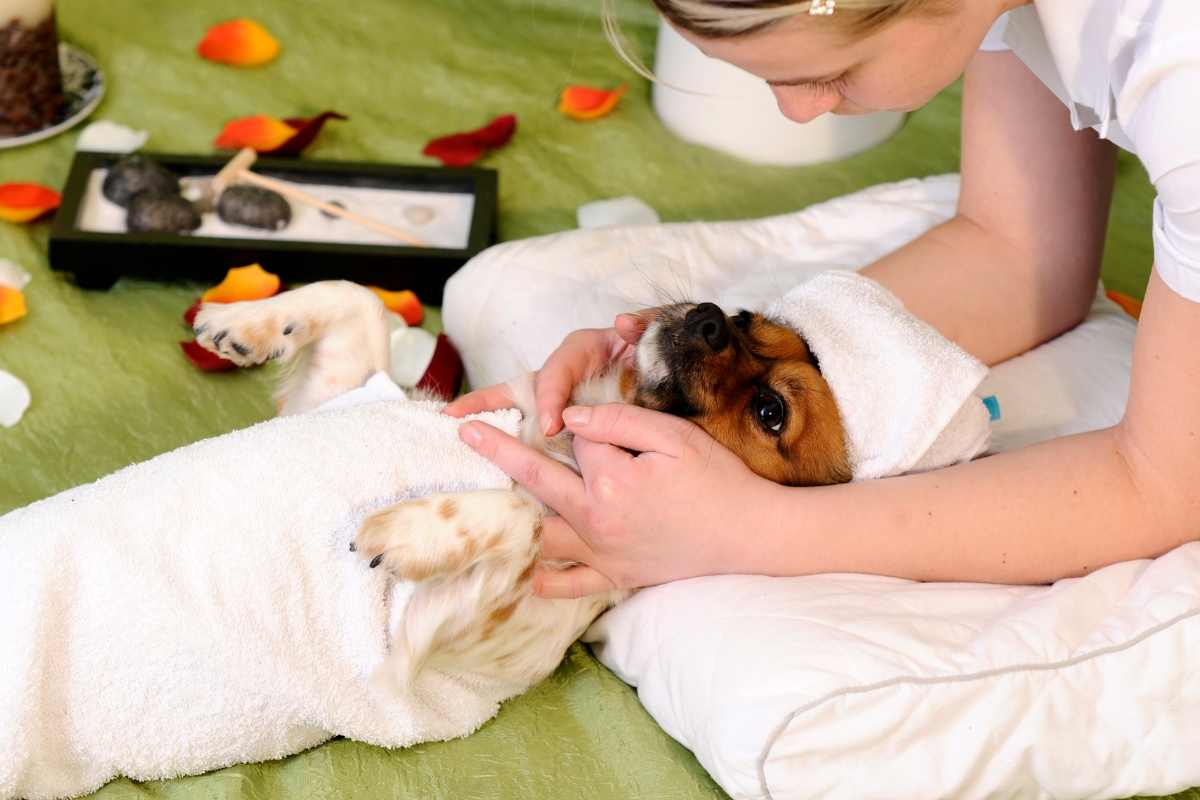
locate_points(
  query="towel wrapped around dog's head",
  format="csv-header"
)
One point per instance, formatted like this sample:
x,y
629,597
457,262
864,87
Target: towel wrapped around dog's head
x,y
907,394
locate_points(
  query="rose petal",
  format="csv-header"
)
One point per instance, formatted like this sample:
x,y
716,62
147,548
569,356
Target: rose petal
x,y
243,283
585,102
14,399
265,134
404,303
239,43
461,149
22,202
444,375
106,136
12,305
306,131
12,275
272,136
204,359
189,316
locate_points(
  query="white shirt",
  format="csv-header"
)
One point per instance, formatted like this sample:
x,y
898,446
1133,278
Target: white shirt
x,y
1130,70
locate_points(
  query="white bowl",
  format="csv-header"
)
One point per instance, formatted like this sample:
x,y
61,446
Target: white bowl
x,y
712,103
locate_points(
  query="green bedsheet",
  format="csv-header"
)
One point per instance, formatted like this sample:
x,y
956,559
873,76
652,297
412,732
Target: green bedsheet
x,y
110,386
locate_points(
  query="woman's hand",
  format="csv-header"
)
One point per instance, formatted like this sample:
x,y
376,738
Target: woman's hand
x,y
678,509
582,354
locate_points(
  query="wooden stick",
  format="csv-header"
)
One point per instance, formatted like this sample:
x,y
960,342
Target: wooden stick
x,y
238,171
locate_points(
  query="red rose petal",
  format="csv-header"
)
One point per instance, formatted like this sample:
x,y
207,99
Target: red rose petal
x,y
189,316
209,362
462,149
444,374
306,131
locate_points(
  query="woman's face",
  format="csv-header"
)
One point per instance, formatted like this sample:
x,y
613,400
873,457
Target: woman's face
x,y
815,67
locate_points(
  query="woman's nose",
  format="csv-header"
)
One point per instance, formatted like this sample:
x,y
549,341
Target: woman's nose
x,y
801,104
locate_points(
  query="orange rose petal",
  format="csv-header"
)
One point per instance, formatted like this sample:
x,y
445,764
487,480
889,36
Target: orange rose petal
x,y
22,202
260,132
584,102
273,136
243,283
1131,305
12,305
239,43
404,303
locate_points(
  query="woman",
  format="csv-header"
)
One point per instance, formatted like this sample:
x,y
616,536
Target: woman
x,y
1051,89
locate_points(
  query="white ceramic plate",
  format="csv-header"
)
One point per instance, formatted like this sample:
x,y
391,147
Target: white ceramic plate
x,y
83,88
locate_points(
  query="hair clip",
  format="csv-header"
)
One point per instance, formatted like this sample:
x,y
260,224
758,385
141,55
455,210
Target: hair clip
x,y
821,8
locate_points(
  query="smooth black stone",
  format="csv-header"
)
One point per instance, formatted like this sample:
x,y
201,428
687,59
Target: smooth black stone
x,y
254,207
134,174
159,212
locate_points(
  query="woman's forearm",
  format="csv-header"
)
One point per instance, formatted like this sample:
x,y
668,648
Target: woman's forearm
x,y
1054,510
995,299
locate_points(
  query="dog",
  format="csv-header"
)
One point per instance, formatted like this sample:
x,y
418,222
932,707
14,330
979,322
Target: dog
x,y
751,383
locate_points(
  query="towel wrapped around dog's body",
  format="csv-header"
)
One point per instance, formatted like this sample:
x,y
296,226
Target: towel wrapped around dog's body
x,y
202,608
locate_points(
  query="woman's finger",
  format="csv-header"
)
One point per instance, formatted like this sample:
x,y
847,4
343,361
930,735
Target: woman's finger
x,y
490,399
631,427
560,542
630,327
570,583
544,478
580,355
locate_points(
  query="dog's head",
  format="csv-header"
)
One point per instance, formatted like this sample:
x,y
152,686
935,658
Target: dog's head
x,y
748,381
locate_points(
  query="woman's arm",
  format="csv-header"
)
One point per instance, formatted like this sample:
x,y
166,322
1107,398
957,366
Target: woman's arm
x,y
1015,267
1018,265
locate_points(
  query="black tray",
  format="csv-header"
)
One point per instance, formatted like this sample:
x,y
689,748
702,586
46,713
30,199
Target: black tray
x,y
98,259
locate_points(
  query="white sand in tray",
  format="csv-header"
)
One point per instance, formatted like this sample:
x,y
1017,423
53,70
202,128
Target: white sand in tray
x,y
449,228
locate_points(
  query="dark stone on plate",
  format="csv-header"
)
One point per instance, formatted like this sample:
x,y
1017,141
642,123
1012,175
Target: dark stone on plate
x,y
161,212
134,174
254,207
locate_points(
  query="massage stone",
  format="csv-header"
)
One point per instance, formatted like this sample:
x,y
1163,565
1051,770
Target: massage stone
x,y
134,174
161,212
254,207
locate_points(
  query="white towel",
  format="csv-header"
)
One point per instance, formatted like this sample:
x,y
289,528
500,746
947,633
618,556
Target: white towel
x,y
202,608
905,392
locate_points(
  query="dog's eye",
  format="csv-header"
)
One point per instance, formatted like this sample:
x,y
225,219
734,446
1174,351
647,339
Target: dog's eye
x,y
742,320
770,411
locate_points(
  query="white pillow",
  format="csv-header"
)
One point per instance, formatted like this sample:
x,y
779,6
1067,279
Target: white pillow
x,y
862,687
854,686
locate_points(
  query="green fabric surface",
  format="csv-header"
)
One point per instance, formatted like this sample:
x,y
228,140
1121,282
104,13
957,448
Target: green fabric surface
x,y
110,386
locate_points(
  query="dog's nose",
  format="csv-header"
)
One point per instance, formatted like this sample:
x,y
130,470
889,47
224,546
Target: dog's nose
x,y
707,322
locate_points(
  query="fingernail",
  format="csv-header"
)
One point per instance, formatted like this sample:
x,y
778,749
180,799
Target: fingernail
x,y
547,422
577,415
470,434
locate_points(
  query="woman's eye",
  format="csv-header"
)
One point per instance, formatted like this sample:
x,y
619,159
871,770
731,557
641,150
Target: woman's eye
x,y
770,412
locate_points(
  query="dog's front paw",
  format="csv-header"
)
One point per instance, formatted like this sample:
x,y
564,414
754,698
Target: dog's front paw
x,y
447,533
247,333
402,539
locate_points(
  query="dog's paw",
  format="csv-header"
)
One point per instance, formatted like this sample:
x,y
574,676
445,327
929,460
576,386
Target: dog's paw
x,y
247,333
447,533
400,538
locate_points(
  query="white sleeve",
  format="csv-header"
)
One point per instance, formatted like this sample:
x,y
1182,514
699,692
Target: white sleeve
x,y
1165,131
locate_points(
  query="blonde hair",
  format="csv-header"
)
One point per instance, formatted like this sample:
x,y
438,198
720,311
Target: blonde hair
x,y
719,19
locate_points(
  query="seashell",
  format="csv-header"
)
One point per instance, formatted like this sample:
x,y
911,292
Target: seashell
x,y
254,207
134,174
337,203
419,215
161,212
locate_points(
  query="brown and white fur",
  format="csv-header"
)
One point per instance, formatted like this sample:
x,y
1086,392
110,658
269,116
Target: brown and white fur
x,y
749,382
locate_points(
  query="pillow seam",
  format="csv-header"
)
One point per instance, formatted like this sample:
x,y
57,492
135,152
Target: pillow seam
x,y
773,739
